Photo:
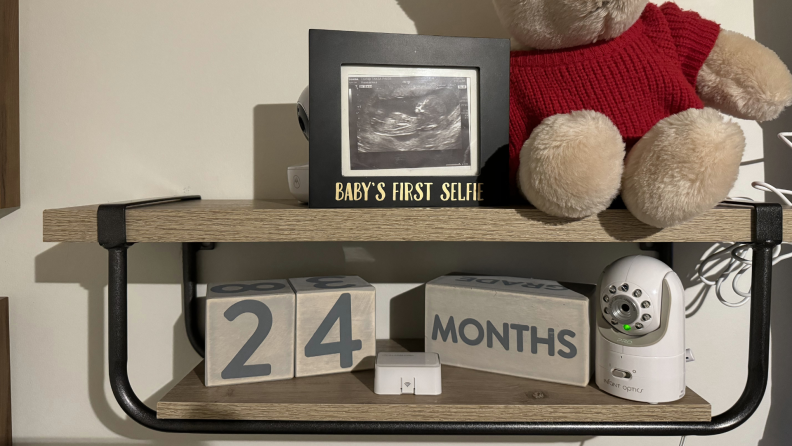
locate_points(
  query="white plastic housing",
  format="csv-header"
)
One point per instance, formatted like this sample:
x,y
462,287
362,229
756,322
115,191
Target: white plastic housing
x,y
298,182
407,374
648,364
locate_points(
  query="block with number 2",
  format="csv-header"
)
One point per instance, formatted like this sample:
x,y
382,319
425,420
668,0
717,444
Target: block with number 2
x,y
249,332
335,325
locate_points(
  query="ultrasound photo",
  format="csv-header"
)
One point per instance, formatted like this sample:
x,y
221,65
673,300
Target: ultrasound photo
x,y
409,122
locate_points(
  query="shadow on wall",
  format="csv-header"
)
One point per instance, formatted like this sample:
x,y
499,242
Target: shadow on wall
x,y
459,18
277,139
86,264
8,211
278,143
772,29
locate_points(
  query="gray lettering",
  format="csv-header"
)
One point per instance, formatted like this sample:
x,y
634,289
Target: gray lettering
x,y
562,335
479,337
326,283
346,346
241,288
549,341
502,338
237,367
450,329
520,329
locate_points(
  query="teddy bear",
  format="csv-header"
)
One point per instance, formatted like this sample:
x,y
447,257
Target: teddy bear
x,y
625,96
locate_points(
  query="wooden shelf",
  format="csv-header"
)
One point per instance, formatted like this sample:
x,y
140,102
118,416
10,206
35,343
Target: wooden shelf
x,y
286,221
468,396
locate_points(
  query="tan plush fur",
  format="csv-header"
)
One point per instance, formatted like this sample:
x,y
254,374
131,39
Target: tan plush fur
x,y
745,79
572,164
683,167
556,24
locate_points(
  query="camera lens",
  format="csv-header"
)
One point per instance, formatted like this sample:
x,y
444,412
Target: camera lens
x,y
624,310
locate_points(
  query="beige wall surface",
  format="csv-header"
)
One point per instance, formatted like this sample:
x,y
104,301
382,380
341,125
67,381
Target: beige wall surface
x,y
128,99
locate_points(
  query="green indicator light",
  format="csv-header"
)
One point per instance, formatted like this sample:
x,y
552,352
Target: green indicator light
x,y
627,327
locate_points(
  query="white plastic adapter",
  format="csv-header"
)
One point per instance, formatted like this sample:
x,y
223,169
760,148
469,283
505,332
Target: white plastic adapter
x,y
407,374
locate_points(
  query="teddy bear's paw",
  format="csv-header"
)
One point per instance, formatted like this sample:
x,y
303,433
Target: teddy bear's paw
x,y
572,164
683,167
745,79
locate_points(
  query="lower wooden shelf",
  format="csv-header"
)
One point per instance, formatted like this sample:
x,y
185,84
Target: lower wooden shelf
x,y
468,396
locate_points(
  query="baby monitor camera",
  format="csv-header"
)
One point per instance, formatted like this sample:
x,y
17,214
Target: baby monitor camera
x,y
298,182
641,331
302,113
298,175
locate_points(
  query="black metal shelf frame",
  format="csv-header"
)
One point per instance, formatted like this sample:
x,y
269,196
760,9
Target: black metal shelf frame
x,y
767,230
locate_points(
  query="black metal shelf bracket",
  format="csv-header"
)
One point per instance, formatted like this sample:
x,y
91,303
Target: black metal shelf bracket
x,y
189,293
767,220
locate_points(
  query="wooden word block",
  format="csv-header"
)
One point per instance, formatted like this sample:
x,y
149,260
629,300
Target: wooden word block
x,y
249,332
530,328
335,329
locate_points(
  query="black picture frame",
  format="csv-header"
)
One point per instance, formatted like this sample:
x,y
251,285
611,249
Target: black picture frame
x,y
331,50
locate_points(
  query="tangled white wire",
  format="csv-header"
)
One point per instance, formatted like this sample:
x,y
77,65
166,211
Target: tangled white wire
x,y
738,262
782,193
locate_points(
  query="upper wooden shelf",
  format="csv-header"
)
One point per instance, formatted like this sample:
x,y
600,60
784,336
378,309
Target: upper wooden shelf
x,y
287,221
468,396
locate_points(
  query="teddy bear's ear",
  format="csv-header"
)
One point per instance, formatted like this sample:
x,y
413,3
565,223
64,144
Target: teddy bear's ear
x,y
557,24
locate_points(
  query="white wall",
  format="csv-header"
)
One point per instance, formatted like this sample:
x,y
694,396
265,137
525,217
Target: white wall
x,y
128,99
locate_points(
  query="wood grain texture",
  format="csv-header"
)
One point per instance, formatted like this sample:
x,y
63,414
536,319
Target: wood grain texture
x,y
9,104
468,396
494,323
225,338
5,374
316,298
286,221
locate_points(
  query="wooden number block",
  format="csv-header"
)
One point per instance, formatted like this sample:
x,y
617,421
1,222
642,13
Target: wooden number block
x,y
530,328
335,325
249,332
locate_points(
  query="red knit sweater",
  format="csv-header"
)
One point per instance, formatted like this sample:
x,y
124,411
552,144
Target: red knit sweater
x,y
636,79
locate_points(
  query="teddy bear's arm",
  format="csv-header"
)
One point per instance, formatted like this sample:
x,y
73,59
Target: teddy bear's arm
x,y
745,79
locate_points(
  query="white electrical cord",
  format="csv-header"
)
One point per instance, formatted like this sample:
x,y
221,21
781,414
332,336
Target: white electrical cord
x,y
785,137
764,187
738,262
682,443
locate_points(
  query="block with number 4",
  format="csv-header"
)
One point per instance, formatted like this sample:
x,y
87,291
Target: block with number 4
x,y
335,329
249,332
